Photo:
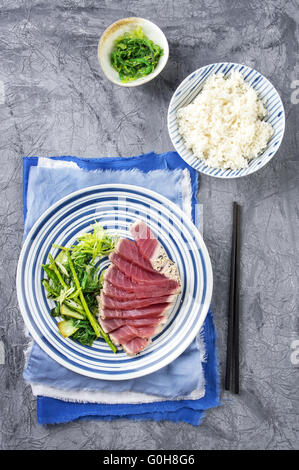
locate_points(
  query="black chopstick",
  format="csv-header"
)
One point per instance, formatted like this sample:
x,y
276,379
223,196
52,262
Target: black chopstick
x,y
236,335
229,350
232,354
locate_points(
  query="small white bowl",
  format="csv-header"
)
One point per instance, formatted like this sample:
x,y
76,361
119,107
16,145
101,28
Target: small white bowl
x,y
117,29
192,86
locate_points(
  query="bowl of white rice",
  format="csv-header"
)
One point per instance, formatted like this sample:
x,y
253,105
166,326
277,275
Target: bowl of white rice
x,y
226,120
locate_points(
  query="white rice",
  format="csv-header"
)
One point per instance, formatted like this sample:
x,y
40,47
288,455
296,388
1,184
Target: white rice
x,y
223,124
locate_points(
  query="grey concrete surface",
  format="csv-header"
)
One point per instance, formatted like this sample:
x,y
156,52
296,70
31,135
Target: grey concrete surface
x,y
55,100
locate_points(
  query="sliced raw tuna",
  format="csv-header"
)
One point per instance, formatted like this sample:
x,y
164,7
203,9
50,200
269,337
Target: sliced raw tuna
x,y
139,290
157,310
146,241
152,250
118,279
140,275
125,333
121,281
111,303
114,323
148,331
146,291
128,250
135,346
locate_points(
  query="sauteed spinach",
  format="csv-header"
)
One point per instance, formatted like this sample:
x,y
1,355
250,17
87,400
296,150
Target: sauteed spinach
x,y
73,282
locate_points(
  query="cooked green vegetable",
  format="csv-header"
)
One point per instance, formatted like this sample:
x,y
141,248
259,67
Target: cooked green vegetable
x,y
74,305
134,55
96,243
90,316
84,333
53,266
68,312
67,328
73,282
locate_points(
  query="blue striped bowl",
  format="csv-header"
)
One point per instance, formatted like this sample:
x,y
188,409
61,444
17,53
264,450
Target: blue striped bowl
x,y
190,88
115,207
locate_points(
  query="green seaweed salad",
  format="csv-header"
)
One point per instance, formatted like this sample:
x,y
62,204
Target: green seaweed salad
x,y
73,281
134,55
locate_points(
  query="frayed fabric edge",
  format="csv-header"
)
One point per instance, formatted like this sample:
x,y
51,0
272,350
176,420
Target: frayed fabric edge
x,y
102,397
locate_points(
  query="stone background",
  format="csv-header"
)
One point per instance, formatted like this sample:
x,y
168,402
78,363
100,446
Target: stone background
x,y
55,100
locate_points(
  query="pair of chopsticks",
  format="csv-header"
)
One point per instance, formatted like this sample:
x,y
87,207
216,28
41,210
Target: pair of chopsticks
x,y
232,381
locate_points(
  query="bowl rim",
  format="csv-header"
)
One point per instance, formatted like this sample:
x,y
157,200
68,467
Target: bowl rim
x,y
147,78
225,64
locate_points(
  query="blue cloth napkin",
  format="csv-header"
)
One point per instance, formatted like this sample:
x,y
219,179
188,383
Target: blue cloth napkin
x,y
169,382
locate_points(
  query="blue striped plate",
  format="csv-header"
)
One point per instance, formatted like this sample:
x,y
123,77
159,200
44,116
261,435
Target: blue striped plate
x,y
115,208
189,89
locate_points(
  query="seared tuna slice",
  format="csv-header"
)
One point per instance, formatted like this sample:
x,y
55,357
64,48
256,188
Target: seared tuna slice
x,y
135,346
128,250
147,243
125,333
146,291
157,310
121,281
139,290
111,303
140,275
114,323
152,250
